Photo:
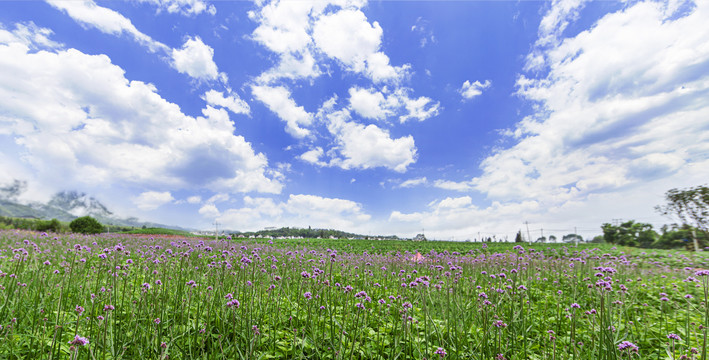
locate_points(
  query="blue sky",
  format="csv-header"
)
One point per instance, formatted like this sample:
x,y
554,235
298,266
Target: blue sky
x,y
463,118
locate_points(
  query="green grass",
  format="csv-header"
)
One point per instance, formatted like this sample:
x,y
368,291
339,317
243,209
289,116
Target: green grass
x,y
325,299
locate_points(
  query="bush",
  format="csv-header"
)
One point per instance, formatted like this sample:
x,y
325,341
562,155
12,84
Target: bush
x,y
86,225
49,225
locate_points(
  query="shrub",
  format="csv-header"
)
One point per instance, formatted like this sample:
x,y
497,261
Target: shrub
x,y
86,225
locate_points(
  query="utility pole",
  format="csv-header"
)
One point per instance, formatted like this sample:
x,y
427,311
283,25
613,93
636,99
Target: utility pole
x,y
216,230
576,237
542,229
696,243
529,236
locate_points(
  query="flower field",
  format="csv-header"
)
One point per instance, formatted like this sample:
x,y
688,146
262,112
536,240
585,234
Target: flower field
x,y
132,297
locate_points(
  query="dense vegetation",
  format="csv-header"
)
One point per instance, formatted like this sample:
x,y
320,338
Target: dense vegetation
x,y
302,232
141,297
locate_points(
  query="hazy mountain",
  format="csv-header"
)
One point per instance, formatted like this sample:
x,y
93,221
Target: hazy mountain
x,y
64,206
79,204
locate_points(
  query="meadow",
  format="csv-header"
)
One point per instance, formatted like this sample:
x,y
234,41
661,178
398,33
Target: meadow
x,y
121,296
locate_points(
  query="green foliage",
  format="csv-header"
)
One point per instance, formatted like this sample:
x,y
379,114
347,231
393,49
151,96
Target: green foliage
x,y
569,238
518,237
53,225
86,225
159,305
629,233
680,237
305,233
157,231
691,206
49,225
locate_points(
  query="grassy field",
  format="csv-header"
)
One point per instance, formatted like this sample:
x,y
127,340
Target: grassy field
x,y
158,297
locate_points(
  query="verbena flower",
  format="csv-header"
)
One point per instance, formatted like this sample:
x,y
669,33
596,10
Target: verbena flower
x,y
673,337
79,341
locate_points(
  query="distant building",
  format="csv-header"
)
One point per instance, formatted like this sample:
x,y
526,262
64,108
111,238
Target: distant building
x,y
420,237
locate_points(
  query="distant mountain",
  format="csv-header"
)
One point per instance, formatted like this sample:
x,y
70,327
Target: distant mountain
x,y
79,204
65,206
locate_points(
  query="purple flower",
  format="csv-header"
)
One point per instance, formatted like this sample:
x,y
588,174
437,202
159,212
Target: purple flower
x,y
674,337
308,295
78,340
627,345
108,308
575,305
79,309
442,353
157,321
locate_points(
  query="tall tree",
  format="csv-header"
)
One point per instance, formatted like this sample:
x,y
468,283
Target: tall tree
x,y
690,205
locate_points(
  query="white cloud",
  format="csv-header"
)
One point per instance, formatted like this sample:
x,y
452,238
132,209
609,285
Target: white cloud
x,y
195,60
151,200
194,199
184,7
453,185
220,197
29,35
413,182
347,36
313,156
372,104
78,115
299,211
279,101
363,147
231,101
108,21
419,109
621,119
209,211
610,120
369,103
298,30
454,203
470,90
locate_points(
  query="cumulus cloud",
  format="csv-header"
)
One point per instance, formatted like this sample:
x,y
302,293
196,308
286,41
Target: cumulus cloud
x,y
279,101
363,147
369,103
470,90
195,59
373,104
313,156
108,21
621,114
78,115
232,101
195,199
299,210
151,200
209,211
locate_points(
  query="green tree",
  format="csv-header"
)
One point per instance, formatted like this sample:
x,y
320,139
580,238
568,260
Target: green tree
x,y
679,236
86,225
691,206
572,238
629,233
518,238
49,225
